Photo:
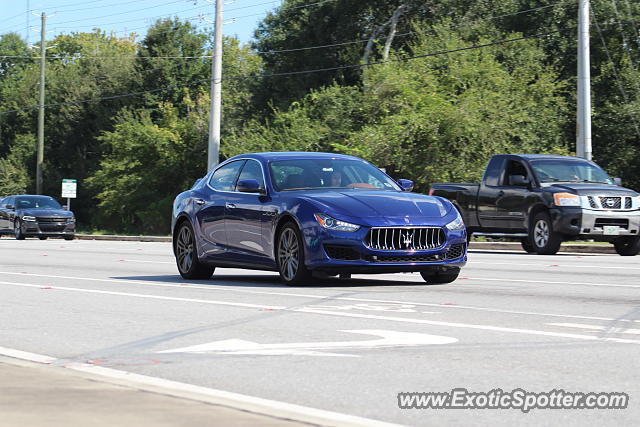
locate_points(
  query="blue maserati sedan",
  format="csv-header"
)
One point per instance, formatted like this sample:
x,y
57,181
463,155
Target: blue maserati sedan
x,y
314,213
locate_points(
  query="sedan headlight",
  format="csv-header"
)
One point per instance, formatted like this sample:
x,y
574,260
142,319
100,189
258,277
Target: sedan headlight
x,y
335,224
566,199
456,224
28,218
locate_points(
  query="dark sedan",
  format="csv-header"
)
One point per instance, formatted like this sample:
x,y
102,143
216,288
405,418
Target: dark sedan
x,y
303,213
35,216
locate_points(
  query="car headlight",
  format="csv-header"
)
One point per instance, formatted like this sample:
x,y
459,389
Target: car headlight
x,y
566,199
335,224
29,218
71,220
456,224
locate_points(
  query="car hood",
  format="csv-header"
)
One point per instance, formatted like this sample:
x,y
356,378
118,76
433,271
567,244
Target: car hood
x,y
380,204
46,213
594,189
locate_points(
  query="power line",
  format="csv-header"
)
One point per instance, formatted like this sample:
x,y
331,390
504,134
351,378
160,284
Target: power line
x,y
291,73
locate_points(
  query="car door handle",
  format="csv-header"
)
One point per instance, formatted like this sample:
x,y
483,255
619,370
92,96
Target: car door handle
x,y
230,206
500,193
200,202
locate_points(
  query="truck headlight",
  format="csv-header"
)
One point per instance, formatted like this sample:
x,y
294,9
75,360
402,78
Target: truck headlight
x,y
71,221
566,199
456,224
331,223
28,218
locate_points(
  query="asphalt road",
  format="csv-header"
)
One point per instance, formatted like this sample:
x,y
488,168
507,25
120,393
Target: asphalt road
x,y
511,321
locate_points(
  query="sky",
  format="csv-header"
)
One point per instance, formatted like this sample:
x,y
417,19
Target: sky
x,y
126,16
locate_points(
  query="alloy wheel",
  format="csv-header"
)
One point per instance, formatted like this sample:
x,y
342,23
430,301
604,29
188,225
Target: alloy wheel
x,y
541,233
288,256
184,249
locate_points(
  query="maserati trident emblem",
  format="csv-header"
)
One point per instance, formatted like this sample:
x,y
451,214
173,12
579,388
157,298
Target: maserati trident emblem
x,y
408,238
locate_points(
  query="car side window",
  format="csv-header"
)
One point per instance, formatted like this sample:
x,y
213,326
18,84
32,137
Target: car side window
x,y
514,168
252,170
492,174
224,179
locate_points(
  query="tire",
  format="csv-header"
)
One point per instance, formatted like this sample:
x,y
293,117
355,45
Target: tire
x,y
543,239
42,237
185,251
69,237
17,230
527,246
440,277
290,256
627,245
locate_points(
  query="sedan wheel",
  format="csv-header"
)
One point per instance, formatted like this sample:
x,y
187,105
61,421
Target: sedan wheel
x,y
17,230
186,257
291,256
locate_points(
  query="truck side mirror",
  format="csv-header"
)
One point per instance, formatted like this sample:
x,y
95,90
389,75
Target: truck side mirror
x,y
406,184
518,181
618,181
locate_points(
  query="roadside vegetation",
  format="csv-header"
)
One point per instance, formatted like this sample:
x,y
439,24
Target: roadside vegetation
x,y
454,82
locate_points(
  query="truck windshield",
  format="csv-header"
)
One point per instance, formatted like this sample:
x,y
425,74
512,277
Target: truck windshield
x,y
328,174
558,170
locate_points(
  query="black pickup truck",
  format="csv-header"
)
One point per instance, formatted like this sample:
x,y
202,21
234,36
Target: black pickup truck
x,y
544,200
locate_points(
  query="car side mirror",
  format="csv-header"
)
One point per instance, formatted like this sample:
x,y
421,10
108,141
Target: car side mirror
x,y
406,184
618,181
518,181
65,207
250,186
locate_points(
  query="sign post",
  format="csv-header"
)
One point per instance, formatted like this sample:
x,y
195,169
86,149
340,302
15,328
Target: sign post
x,y
69,187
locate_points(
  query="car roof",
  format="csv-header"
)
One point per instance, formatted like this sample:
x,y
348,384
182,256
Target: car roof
x,y
545,157
289,155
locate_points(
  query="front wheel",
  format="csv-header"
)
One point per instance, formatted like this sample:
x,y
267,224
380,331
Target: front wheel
x,y
440,277
69,237
42,237
187,260
17,230
527,246
544,240
290,256
627,245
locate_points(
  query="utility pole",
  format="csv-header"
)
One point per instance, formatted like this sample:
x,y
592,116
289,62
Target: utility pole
x,y
216,91
40,154
583,134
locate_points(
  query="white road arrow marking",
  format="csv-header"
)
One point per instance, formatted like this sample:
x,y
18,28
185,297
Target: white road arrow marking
x,y
607,329
387,339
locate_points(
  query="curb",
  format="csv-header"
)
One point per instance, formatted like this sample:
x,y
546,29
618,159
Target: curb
x,y
123,238
569,247
487,246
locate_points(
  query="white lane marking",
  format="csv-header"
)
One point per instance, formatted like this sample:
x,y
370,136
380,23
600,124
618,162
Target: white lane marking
x,y
549,282
607,329
327,297
24,355
387,339
251,404
560,265
335,313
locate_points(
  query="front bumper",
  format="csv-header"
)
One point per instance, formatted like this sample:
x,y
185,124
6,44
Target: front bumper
x,y
345,252
31,229
594,223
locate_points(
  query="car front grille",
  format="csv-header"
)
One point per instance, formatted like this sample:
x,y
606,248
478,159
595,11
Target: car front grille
x,y
43,220
405,238
619,222
627,203
592,203
611,202
456,251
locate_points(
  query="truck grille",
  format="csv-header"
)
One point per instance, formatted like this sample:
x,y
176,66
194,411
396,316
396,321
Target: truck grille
x,y
405,238
592,203
619,222
611,202
627,203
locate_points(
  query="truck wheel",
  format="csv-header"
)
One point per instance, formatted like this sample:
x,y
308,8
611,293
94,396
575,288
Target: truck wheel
x,y
527,246
440,277
627,245
544,240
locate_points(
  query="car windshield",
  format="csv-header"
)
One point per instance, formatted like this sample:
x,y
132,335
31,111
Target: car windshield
x,y
558,170
329,174
36,202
